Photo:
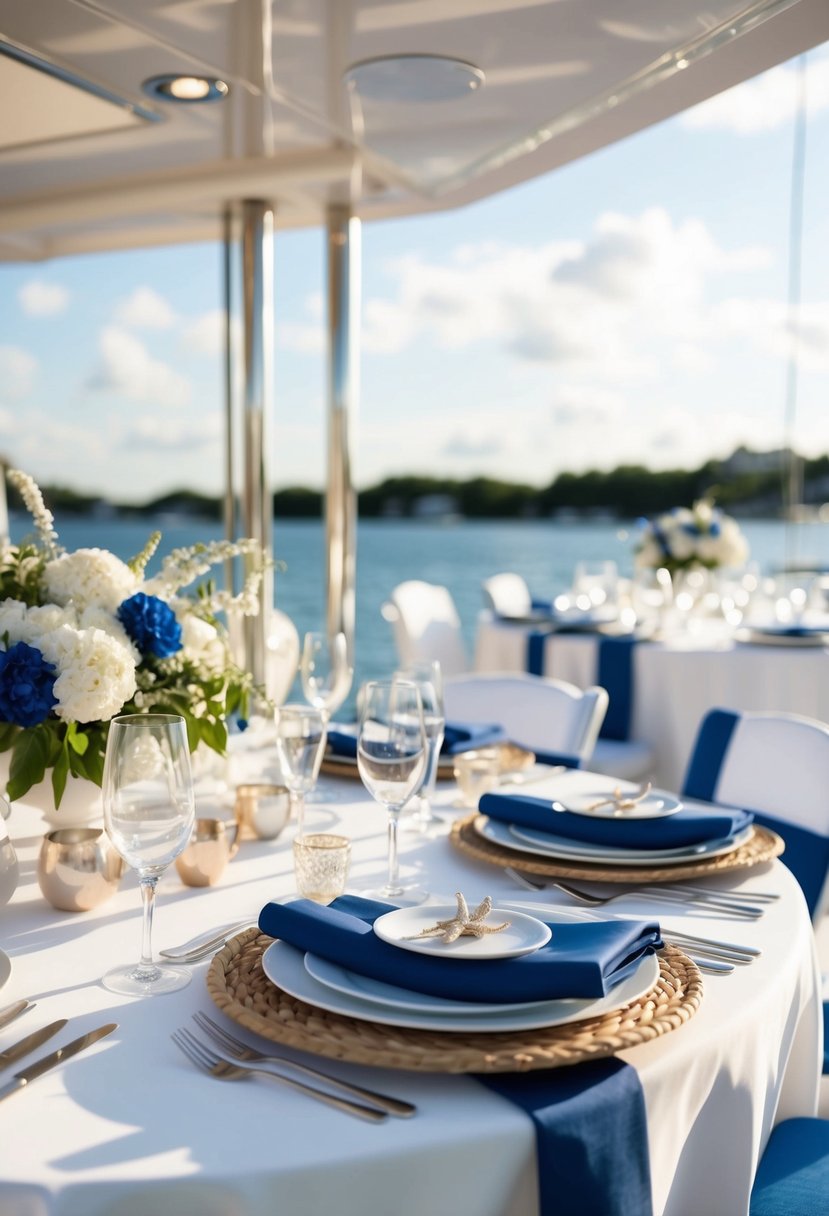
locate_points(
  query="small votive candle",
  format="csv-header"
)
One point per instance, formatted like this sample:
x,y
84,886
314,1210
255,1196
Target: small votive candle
x,y
321,865
477,772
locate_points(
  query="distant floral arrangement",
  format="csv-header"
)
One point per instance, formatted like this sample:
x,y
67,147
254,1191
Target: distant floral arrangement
x,y
85,636
688,537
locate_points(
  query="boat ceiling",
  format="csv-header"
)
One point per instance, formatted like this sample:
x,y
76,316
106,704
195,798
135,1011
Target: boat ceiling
x,y
88,161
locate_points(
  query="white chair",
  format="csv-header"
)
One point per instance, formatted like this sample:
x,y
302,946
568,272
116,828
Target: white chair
x,y
556,720
426,626
776,765
507,595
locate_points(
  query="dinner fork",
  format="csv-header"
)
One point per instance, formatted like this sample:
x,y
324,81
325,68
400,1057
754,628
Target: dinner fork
x,y
742,911
234,1050
207,1060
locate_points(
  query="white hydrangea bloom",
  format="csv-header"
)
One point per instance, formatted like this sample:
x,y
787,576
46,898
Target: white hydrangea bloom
x,y
96,673
201,642
95,617
13,619
89,577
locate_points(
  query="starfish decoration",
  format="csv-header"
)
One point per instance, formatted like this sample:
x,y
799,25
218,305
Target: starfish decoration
x,y
622,802
464,923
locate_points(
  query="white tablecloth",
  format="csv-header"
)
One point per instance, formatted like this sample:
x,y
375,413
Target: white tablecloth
x,y
675,683
131,1127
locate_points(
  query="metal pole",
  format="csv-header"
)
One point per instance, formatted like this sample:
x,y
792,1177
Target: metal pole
x,y
343,390
255,270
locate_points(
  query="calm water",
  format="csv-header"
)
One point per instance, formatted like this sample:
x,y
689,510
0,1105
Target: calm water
x,y
459,556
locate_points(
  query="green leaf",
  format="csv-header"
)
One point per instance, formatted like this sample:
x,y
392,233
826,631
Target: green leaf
x,y
214,734
78,741
8,734
28,765
60,772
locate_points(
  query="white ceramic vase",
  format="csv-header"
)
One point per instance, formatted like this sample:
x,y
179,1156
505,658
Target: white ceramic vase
x,y
80,805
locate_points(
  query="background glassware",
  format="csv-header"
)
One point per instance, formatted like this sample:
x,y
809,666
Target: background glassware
x,y
595,585
429,682
325,670
300,743
477,772
321,864
391,758
148,815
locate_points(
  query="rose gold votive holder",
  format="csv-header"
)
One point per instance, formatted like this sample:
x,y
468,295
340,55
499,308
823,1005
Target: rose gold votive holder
x,y
261,810
78,868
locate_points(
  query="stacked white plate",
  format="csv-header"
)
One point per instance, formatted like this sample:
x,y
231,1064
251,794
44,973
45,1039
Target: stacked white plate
x,y
336,989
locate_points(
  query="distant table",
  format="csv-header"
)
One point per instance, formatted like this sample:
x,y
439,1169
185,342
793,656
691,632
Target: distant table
x,y
674,682
131,1127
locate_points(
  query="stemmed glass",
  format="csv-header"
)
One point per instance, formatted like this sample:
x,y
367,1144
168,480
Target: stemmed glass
x,y
300,743
149,811
391,758
426,675
325,670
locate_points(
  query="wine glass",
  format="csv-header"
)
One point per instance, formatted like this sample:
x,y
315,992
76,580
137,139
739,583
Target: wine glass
x,y
326,672
391,758
426,675
149,810
300,743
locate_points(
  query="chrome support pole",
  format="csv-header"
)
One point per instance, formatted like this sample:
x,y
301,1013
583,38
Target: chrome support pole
x,y
255,271
343,390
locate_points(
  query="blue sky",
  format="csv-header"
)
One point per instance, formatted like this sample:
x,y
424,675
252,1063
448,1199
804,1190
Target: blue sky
x,y
629,307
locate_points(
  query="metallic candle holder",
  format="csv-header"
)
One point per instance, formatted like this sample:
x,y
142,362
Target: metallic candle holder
x,y
78,868
211,847
261,810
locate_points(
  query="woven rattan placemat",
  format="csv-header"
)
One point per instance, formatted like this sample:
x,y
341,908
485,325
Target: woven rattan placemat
x,y
761,846
240,988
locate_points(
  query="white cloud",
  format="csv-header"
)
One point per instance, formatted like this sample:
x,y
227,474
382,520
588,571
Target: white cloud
x,y
144,308
40,299
765,324
17,371
766,103
160,434
205,335
128,370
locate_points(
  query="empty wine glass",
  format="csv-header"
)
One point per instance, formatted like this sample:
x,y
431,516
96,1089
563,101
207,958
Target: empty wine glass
x,y
392,758
325,670
300,743
426,675
149,814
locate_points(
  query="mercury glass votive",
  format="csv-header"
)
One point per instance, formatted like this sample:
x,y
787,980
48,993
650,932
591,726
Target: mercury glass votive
x,y
261,810
321,865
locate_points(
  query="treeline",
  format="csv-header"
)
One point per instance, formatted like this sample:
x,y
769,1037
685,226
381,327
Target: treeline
x,y
625,492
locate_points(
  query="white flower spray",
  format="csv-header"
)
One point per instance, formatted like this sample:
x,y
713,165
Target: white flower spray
x,y
44,520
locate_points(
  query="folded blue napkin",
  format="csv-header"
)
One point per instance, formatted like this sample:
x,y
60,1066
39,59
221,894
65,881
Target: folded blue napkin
x,y
686,827
457,737
582,959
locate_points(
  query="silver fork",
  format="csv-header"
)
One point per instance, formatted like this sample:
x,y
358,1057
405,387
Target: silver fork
x,y
233,1050
207,1060
742,911
205,944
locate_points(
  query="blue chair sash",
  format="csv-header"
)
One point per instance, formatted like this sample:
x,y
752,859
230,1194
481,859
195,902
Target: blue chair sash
x,y
614,672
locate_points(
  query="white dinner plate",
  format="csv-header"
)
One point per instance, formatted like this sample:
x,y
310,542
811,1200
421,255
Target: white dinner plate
x,y
507,835
285,967
655,805
5,967
523,933
778,637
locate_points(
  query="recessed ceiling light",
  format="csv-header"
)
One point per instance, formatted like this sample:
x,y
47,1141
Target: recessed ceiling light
x,y
186,89
413,78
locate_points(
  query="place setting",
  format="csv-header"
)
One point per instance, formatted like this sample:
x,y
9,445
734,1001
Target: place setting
x,y
612,833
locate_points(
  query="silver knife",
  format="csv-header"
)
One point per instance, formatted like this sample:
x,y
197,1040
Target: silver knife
x,y
21,1079
11,1012
18,1050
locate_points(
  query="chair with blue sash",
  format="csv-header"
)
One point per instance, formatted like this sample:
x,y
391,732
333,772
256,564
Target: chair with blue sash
x,y
776,765
793,1176
556,720
426,625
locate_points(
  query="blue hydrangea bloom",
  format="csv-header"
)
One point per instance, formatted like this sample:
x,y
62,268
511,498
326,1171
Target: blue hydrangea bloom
x,y
151,625
27,684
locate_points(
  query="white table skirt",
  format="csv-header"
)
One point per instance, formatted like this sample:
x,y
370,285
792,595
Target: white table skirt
x,y
131,1127
675,683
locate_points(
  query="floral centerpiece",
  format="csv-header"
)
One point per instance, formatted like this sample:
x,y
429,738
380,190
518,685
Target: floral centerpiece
x,y
699,537
85,636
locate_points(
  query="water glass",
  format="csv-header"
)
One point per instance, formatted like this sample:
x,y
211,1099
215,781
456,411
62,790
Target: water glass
x,y
391,758
321,865
476,773
300,744
426,675
325,670
148,814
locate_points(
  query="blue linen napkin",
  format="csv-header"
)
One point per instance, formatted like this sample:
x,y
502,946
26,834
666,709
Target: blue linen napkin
x,y
685,828
582,959
591,1135
457,737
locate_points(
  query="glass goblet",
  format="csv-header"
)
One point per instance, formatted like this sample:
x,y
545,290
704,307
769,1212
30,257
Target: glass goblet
x,y
325,670
300,743
391,758
148,814
426,675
